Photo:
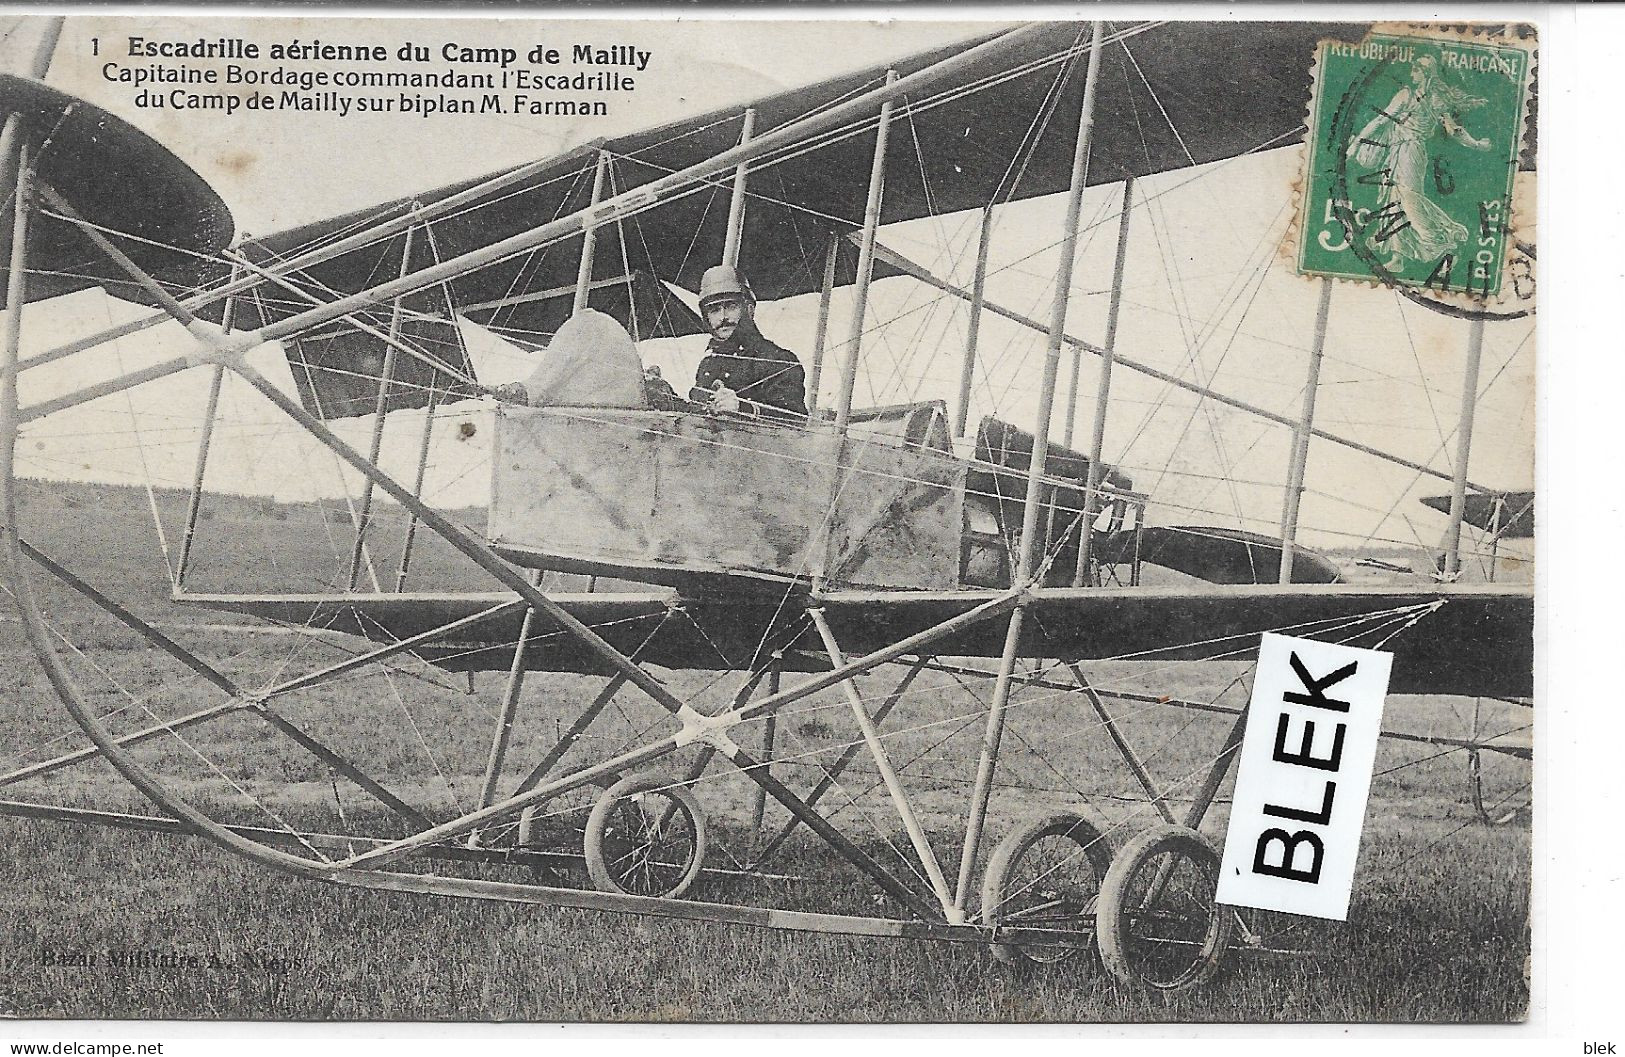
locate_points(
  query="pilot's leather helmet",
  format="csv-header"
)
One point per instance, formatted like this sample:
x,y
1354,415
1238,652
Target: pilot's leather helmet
x,y
722,281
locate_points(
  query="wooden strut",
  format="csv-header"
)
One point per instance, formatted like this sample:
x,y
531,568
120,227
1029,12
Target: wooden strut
x,y
506,856
589,237
343,766
427,434
1300,438
736,202
770,730
106,388
526,834
987,760
506,711
721,913
1203,800
1215,773
361,660
1186,704
156,824
424,439
568,739
1464,448
152,287
194,501
130,620
1103,389
894,787
866,265
826,293
380,415
134,737
973,325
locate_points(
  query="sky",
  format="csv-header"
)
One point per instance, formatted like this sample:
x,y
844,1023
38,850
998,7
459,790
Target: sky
x,y
1209,294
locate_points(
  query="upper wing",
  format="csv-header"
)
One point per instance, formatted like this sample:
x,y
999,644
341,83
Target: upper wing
x,y
1172,95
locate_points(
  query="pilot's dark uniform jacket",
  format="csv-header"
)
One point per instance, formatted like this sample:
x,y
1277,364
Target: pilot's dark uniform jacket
x,y
758,370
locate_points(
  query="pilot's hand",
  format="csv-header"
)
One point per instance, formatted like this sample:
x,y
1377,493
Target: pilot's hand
x,y
512,393
724,399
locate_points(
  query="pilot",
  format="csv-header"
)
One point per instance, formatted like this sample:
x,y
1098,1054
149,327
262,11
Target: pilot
x,y
742,370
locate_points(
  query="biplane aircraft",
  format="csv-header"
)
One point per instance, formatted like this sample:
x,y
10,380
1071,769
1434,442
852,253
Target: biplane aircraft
x,y
654,559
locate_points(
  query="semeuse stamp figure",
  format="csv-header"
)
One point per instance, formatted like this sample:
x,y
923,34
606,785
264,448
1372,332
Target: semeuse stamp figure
x,y
1396,142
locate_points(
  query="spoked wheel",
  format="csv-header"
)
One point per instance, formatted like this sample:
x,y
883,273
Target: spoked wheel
x,y
1158,925
1045,875
646,837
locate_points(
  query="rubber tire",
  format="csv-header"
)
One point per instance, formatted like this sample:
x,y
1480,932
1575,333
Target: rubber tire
x,y
1005,858
598,822
1111,923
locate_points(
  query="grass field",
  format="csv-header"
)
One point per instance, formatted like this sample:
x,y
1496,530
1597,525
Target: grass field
x,y
1438,930
298,950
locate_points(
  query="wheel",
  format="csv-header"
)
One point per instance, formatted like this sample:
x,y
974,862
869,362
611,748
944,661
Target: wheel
x,y
1158,926
645,837
1045,875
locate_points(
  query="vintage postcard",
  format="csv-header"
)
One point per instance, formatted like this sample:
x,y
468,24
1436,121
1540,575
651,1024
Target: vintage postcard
x,y
570,519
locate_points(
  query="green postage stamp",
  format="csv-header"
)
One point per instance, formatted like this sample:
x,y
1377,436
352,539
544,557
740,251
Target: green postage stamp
x,y
1413,147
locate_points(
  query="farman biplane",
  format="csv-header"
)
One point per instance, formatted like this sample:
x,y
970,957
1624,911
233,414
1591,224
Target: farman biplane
x,y
646,676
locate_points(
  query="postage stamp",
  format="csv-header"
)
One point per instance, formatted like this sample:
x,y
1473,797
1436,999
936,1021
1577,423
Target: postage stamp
x,y
1412,153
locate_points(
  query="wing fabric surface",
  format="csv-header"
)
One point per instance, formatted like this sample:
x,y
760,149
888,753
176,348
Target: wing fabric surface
x,y
337,366
1508,515
120,179
1219,555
